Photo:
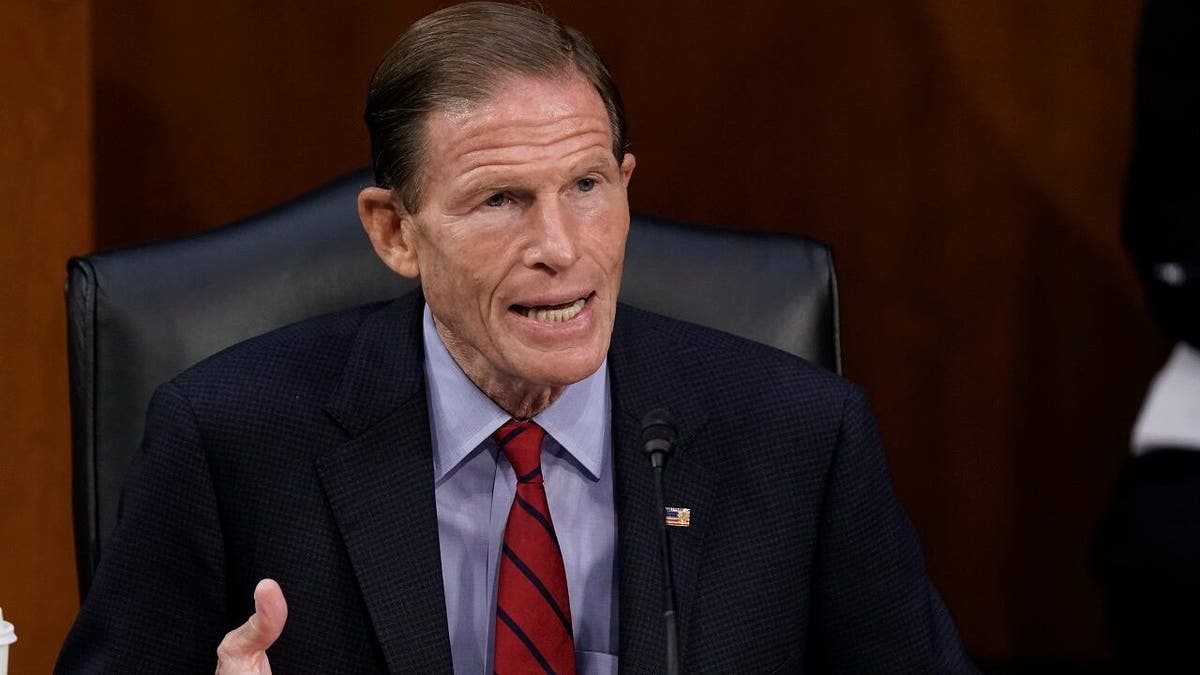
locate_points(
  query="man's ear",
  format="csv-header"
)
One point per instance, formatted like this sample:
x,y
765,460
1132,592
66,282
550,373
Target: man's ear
x,y
390,228
627,165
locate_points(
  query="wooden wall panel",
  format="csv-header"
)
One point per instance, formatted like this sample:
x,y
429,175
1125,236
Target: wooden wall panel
x,y
45,216
227,107
965,160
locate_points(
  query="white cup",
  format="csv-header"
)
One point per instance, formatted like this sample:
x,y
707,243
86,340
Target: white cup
x,y
7,637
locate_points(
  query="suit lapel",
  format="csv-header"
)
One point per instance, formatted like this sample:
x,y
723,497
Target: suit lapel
x,y
645,375
380,488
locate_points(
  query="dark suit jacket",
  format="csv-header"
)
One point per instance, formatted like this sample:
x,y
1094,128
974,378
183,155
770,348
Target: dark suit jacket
x,y
304,455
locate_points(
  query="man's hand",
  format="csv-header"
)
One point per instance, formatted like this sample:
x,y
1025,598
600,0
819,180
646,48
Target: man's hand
x,y
244,649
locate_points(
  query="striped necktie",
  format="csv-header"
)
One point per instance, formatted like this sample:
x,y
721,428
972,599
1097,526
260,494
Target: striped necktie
x,y
533,611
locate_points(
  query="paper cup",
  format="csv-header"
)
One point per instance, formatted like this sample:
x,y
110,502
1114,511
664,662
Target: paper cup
x,y
7,636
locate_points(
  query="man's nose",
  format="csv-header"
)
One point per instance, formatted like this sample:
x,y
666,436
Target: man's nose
x,y
552,235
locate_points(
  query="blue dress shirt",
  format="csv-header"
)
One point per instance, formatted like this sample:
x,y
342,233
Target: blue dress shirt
x,y
474,486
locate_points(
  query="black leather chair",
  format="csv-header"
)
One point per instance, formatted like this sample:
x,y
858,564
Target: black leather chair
x,y
137,316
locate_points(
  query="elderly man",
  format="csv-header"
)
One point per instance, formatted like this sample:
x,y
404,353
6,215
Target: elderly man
x,y
455,481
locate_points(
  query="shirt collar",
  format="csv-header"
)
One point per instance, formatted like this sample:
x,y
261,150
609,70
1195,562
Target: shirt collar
x,y
462,417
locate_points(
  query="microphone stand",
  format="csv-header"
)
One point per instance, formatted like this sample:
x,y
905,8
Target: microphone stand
x,y
658,436
672,630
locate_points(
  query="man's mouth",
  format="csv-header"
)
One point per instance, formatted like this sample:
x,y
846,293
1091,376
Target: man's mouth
x,y
552,313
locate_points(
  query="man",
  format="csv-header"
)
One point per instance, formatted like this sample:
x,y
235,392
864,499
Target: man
x,y
385,468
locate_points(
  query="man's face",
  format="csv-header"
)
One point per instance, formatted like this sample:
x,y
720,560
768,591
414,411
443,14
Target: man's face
x,y
520,237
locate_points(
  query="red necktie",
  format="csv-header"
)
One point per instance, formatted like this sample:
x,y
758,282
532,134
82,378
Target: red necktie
x,y
533,612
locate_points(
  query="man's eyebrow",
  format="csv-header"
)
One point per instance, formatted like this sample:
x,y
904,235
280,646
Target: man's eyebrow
x,y
489,182
598,162
500,178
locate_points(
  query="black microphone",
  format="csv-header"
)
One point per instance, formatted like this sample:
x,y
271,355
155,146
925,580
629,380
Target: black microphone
x,y
658,440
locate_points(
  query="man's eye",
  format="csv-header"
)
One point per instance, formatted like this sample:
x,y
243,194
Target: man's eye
x,y
586,184
496,200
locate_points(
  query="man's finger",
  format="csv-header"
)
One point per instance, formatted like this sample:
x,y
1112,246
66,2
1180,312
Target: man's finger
x,y
262,628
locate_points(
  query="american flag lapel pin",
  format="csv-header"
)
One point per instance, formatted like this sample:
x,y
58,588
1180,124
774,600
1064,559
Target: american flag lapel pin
x,y
678,516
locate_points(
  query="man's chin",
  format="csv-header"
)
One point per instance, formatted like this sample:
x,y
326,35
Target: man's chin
x,y
561,370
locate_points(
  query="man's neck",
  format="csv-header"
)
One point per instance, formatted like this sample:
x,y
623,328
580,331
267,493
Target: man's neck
x,y
517,397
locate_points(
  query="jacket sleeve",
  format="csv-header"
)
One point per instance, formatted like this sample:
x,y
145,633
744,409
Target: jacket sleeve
x,y
874,609
157,603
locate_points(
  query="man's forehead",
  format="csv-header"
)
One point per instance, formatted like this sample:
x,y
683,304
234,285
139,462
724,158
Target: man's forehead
x,y
528,98
534,113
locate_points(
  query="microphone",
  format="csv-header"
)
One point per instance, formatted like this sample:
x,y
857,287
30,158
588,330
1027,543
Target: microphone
x,y
658,441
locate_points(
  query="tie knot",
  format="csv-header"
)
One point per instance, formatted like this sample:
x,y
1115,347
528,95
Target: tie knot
x,y
521,443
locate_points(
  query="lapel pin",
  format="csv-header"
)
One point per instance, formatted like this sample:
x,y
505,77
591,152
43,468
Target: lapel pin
x,y
678,517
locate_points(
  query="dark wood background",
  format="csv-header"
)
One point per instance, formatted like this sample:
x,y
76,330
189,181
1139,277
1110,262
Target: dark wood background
x,y
965,160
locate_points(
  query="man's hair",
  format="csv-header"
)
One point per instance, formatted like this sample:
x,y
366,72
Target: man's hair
x,y
463,54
